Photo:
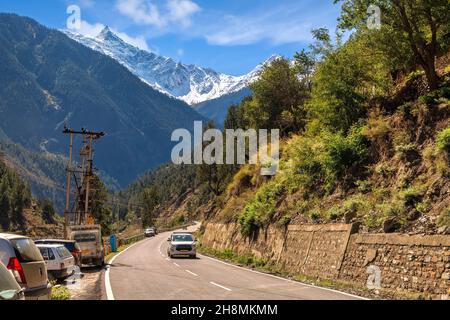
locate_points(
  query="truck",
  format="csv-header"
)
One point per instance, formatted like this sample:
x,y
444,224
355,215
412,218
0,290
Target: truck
x,y
89,238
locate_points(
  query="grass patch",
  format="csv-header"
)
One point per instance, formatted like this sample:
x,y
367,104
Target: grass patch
x,y
59,292
246,259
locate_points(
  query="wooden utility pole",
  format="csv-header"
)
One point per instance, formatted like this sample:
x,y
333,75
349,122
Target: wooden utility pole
x,y
82,177
69,172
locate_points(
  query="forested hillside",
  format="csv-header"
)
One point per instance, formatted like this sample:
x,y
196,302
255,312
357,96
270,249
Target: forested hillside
x,y
20,212
365,131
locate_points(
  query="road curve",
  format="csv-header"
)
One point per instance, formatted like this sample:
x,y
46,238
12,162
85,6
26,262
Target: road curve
x,y
144,272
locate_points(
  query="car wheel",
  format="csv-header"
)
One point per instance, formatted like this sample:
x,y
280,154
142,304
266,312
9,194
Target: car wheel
x,y
194,256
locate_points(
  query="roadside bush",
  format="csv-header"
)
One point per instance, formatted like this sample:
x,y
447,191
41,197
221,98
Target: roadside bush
x,y
444,218
407,152
411,197
260,210
443,141
59,292
343,154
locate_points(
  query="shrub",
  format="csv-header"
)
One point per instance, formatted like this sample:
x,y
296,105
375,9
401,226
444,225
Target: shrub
x,y
423,207
429,99
335,213
343,154
407,152
443,141
260,210
60,292
411,197
315,215
444,218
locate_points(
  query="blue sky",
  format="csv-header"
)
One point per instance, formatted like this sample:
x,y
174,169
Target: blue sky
x,y
230,36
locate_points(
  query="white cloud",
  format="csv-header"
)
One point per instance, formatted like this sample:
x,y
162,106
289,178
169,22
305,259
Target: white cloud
x,y
86,3
90,30
138,41
278,25
181,11
141,11
147,12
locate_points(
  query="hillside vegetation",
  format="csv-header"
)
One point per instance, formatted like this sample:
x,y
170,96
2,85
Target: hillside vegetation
x,y
20,212
365,131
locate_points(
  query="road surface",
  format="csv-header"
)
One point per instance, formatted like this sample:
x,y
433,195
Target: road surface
x,y
144,272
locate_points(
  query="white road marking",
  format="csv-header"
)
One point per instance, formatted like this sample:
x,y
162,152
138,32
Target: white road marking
x,y
176,264
218,285
109,292
288,280
191,273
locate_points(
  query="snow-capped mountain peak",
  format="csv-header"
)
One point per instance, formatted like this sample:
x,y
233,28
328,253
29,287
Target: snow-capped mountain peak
x,y
190,83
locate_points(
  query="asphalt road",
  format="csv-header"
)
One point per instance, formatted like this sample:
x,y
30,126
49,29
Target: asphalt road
x,y
144,272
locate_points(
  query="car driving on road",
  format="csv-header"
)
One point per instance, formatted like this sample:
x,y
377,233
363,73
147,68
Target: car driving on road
x,y
60,262
181,244
150,232
24,260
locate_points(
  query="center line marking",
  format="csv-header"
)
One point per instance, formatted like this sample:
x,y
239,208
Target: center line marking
x,y
191,273
218,285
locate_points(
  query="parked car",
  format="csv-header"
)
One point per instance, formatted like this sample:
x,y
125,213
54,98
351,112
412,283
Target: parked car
x,y
181,244
150,232
9,288
24,260
89,238
59,260
70,245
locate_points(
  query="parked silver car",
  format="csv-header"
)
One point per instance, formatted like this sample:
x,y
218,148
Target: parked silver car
x,y
181,244
9,288
23,259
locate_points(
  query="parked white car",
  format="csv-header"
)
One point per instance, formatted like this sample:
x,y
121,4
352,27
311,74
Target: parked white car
x,y
60,262
22,258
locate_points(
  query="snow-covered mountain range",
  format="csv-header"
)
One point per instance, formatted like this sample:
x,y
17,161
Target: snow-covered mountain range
x,y
190,83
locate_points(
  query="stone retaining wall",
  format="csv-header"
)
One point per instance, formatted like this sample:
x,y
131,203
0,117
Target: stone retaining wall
x,y
332,251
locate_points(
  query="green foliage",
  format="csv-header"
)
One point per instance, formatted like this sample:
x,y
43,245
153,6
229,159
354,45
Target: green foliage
x,y
411,197
343,82
260,210
176,221
15,195
407,152
247,259
444,218
443,141
59,292
150,200
277,103
48,212
418,28
326,159
100,210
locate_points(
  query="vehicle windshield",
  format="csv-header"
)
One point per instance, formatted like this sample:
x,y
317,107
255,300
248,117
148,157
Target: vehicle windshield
x,y
85,237
26,250
182,237
63,252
